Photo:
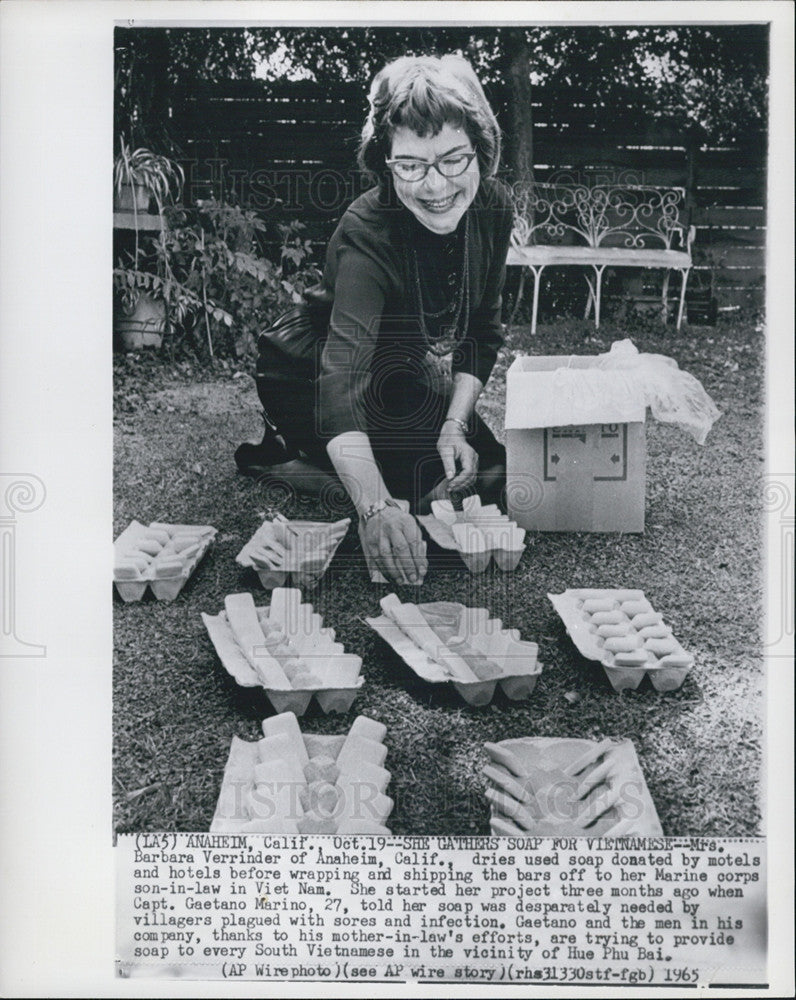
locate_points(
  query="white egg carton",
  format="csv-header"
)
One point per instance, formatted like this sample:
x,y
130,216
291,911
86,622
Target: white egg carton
x,y
446,641
621,629
479,534
158,556
297,552
293,783
568,787
284,648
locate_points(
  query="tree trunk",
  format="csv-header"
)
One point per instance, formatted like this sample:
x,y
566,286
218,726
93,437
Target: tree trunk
x,y
520,146
160,86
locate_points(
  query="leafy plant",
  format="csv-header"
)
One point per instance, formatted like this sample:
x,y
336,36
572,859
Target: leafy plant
x,y
297,273
158,174
209,268
162,178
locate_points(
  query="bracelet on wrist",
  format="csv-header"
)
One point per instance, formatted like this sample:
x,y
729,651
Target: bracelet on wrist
x,y
455,420
376,507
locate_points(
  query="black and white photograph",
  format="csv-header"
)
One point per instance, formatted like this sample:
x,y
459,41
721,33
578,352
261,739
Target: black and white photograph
x,y
416,328
451,514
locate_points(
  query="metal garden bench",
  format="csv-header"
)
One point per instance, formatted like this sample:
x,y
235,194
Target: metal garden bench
x,y
601,227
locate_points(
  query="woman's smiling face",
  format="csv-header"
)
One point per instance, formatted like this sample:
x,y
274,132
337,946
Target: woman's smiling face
x,y
437,202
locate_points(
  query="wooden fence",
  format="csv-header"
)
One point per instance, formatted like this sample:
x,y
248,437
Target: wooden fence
x,y
289,150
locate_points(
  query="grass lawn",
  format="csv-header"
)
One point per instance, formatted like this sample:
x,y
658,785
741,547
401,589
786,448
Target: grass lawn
x,y
699,563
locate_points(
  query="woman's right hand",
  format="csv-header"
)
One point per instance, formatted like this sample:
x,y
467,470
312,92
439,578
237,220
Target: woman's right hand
x,y
395,543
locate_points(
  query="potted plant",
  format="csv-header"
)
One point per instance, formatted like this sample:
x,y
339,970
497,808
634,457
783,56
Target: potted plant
x,y
207,276
139,177
140,316
164,286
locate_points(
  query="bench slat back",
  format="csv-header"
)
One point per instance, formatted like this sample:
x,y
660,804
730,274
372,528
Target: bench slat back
x,y
632,217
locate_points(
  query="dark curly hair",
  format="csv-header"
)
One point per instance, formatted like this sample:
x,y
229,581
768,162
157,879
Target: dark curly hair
x,y
423,93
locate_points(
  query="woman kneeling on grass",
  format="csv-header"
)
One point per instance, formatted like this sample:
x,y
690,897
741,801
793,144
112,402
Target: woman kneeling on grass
x,y
415,270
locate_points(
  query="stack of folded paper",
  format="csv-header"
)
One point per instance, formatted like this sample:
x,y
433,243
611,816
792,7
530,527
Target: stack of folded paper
x,y
447,641
477,533
285,649
621,629
289,783
283,551
161,557
552,787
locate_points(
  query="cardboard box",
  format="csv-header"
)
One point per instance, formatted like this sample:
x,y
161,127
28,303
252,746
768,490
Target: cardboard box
x,y
576,451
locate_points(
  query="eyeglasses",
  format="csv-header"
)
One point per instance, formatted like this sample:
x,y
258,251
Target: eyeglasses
x,y
450,165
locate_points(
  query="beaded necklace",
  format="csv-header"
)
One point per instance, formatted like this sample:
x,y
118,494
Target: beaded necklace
x,y
444,341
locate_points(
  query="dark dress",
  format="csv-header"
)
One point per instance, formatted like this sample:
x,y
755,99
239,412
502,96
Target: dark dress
x,y
379,369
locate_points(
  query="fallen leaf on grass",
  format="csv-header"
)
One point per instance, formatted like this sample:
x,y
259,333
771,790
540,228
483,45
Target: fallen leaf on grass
x,y
141,791
572,697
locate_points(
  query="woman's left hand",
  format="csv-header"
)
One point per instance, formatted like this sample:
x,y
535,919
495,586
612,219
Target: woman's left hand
x,y
459,460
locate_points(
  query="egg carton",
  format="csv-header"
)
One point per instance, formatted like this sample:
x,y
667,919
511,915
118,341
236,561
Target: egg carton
x,y
447,641
621,629
569,787
285,649
293,783
479,534
297,552
161,557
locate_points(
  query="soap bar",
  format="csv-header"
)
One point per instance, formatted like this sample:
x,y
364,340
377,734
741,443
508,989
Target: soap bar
x,y
285,649
305,784
631,641
296,551
478,533
161,557
568,787
449,642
